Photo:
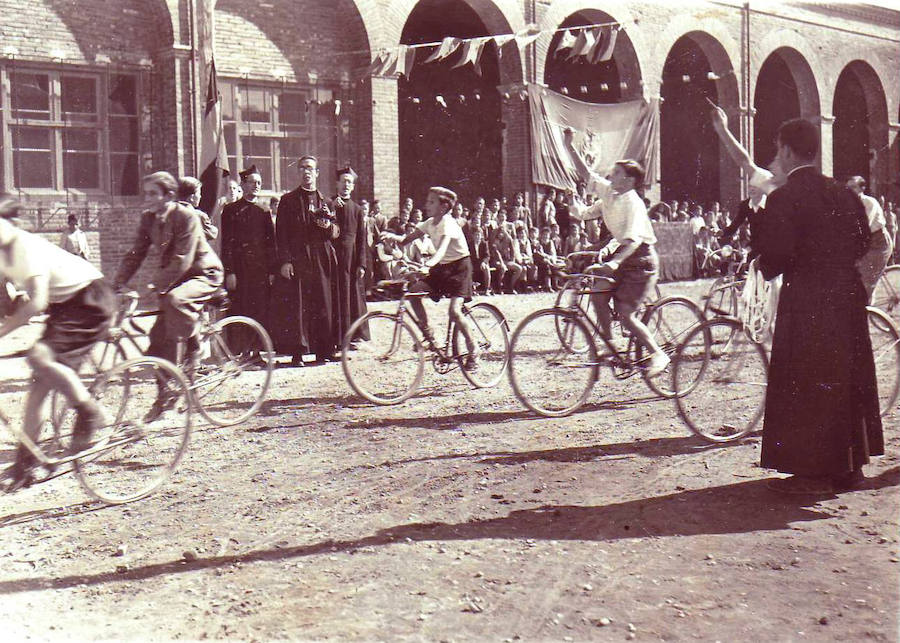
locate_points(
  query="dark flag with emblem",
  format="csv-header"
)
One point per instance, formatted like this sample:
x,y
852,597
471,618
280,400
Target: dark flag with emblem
x,y
213,156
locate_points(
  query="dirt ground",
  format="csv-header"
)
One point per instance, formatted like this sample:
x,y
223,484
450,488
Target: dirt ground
x,y
456,516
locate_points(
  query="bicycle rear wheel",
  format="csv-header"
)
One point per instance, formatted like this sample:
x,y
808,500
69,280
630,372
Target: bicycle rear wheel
x,y
727,382
721,300
383,359
546,375
886,295
491,332
670,320
229,386
886,351
131,457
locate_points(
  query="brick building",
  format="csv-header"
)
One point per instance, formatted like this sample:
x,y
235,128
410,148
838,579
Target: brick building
x,y
95,93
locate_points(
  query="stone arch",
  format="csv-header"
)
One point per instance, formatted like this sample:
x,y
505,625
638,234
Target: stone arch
x,y
785,87
693,166
860,130
714,39
562,9
803,61
498,17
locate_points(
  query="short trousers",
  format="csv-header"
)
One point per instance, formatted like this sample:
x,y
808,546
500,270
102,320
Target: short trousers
x,y
452,279
637,276
73,326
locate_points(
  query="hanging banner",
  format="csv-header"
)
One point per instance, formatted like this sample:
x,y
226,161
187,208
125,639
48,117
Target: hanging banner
x,y
606,43
604,133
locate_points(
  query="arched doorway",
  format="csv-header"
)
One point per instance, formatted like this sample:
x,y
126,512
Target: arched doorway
x,y
692,165
785,89
860,130
612,81
450,119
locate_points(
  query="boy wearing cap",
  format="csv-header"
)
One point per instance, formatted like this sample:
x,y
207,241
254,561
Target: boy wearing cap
x,y
79,305
448,272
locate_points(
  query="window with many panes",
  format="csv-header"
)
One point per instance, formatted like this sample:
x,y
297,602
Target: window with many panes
x,y
270,126
69,130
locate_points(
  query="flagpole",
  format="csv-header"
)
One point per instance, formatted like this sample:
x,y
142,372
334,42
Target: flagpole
x,y
195,158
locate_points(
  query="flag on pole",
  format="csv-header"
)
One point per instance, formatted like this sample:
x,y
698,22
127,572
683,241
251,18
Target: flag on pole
x,y
213,155
448,46
471,52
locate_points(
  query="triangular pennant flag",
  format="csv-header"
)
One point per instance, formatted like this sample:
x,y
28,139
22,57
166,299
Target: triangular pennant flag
x,y
583,44
448,46
528,35
566,42
378,65
472,50
606,43
403,62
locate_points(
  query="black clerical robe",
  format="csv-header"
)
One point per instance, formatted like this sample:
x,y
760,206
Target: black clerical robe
x,y
248,253
306,306
351,250
822,416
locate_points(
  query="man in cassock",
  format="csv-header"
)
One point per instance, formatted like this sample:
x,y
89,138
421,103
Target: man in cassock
x,y
351,252
822,418
307,300
248,251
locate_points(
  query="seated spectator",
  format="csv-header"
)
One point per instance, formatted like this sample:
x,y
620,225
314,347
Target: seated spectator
x,y
557,238
510,253
389,257
704,247
529,276
546,260
420,249
696,220
479,253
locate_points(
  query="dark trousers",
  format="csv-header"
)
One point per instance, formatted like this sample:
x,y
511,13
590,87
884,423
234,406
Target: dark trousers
x,y
179,310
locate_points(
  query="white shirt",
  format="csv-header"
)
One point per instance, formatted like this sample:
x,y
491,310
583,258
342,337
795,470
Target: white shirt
x,y
446,227
697,224
874,213
75,242
625,215
31,256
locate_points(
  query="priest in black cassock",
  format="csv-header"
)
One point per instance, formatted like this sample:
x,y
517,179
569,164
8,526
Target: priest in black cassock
x,y
248,251
306,304
351,251
822,419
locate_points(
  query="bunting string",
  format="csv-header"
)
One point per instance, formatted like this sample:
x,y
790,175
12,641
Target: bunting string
x,y
594,42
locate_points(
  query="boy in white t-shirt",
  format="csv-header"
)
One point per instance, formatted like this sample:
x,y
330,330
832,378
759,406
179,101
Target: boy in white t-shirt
x,y
634,264
448,272
80,306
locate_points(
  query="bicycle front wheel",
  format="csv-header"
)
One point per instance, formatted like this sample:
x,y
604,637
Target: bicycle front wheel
x,y
886,351
546,375
886,295
727,382
134,453
383,359
230,382
670,320
491,332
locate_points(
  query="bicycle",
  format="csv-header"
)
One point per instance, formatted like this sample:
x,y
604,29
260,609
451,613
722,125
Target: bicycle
x,y
129,458
725,291
729,366
886,294
383,358
555,361
228,384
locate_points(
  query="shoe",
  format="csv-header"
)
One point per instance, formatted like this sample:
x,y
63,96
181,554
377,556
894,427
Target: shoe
x,y
848,481
86,423
471,364
164,401
801,486
18,476
297,361
324,359
658,363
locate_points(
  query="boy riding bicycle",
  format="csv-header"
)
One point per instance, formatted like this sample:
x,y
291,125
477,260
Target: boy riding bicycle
x,y
448,272
634,265
189,273
80,306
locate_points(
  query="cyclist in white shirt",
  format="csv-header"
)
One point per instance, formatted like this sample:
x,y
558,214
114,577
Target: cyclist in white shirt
x,y
80,306
449,270
634,265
